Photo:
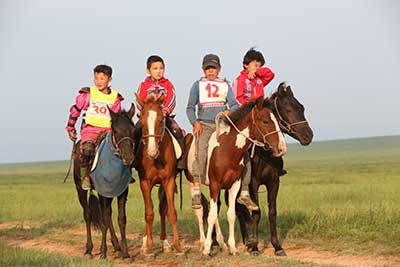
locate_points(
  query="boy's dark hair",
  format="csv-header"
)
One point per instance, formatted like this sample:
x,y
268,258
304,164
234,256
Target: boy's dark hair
x,y
152,59
251,55
107,70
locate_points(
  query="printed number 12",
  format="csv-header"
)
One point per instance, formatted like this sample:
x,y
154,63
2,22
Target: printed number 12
x,y
214,93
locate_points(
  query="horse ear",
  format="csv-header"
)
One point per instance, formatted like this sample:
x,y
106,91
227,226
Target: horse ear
x,y
161,98
112,113
284,90
260,102
289,91
131,111
139,100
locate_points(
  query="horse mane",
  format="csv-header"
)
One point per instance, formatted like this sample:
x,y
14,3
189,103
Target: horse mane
x,y
241,112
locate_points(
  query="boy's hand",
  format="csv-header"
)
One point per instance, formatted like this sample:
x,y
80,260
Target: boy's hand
x,y
227,112
252,74
197,129
72,135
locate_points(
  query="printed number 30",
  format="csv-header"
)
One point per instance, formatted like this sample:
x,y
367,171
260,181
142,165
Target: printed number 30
x,y
213,93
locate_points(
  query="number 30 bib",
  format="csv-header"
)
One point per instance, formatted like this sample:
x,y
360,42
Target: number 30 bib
x,y
97,113
213,93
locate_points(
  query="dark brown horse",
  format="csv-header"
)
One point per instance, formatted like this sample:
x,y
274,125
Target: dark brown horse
x,y
99,214
264,167
250,124
156,164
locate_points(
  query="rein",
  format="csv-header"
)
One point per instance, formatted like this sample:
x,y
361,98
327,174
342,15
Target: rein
x,y
254,142
116,144
288,126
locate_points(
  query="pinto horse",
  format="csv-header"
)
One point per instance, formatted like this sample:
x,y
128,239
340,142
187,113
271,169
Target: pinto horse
x,y
264,167
250,124
99,214
156,164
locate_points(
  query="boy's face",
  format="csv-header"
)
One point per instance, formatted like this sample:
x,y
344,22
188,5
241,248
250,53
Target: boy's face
x,y
211,73
101,80
253,66
156,70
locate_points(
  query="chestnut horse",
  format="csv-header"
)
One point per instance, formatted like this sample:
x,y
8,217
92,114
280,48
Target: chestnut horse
x,y
251,124
99,214
156,164
290,114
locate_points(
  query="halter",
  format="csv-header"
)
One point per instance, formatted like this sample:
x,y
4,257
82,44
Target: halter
x,y
116,144
288,126
254,142
146,136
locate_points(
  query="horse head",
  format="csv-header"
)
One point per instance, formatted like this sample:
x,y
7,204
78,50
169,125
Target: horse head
x,y
290,114
152,119
123,132
266,128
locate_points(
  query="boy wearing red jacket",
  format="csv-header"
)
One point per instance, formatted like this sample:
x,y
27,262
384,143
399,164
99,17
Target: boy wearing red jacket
x,y
250,85
157,85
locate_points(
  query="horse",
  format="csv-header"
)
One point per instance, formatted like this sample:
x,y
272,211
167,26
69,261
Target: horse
x,y
156,164
251,124
98,213
264,167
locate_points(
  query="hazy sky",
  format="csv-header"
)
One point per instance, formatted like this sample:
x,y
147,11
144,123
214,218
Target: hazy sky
x,y
342,59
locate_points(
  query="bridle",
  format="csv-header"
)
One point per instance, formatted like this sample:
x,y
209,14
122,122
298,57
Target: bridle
x,y
288,126
160,136
254,142
116,144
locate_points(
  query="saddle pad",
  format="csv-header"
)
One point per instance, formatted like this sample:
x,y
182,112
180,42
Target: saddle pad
x,y
109,175
177,147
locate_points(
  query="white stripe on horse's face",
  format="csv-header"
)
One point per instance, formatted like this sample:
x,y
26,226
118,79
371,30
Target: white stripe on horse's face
x,y
151,147
240,139
282,143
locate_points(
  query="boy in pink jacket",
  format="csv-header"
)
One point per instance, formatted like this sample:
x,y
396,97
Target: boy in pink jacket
x,y
93,101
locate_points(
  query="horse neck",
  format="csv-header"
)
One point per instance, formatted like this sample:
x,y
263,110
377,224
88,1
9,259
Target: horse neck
x,y
241,139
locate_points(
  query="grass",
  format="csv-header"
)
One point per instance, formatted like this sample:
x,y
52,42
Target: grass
x,y
339,195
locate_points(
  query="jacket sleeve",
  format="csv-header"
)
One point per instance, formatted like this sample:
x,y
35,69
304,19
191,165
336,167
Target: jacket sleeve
x,y
170,99
233,104
266,75
117,107
239,89
81,103
192,102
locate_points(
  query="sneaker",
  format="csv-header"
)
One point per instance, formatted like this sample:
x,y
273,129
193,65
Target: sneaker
x,y
246,200
196,201
86,185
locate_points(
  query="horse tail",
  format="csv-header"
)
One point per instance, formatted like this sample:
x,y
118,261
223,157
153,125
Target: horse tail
x,y
95,211
206,209
180,189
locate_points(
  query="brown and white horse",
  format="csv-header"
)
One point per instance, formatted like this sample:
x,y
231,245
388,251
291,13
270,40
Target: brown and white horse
x,y
251,124
156,164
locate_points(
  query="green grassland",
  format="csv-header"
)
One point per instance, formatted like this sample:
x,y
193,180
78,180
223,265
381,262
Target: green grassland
x,y
338,195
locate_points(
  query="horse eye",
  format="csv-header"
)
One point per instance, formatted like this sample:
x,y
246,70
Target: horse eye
x,y
265,121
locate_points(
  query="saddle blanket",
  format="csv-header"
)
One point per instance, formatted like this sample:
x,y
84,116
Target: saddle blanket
x,y
109,175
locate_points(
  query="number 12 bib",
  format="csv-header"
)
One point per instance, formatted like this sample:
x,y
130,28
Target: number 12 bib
x,y
213,93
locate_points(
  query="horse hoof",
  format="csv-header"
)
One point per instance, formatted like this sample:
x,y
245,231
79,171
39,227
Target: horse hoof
x,y
150,256
216,249
103,257
88,255
206,256
280,253
180,255
255,253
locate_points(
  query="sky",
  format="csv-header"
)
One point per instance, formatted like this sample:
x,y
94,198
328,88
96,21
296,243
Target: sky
x,y
341,58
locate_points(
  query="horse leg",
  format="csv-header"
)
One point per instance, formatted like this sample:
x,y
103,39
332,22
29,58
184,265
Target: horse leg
x,y
106,213
199,214
114,239
254,219
231,214
171,212
217,236
122,223
212,216
82,195
149,217
273,187
162,210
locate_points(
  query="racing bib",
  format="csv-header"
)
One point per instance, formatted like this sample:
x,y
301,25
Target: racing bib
x,y
213,93
97,113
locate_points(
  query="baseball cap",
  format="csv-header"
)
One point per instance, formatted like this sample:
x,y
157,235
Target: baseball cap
x,y
211,60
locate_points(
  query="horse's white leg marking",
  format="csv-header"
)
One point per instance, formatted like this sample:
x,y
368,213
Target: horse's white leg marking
x,y
220,237
144,244
199,215
212,217
151,149
231,214
282,144
240,139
